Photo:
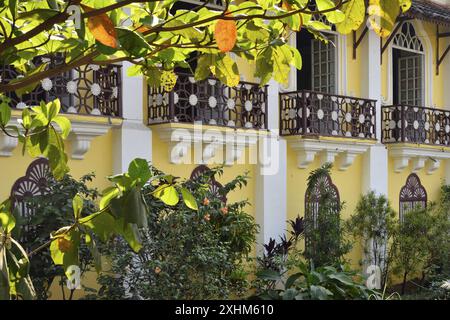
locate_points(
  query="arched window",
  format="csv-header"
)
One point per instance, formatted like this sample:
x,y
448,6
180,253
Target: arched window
x,y
214,186
412,195
314,198
408,55
34,183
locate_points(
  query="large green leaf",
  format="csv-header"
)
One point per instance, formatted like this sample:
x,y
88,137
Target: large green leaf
x,y
189,199
354,11
77,204
167,194
140,171
226,70
64,124
133,42
334,16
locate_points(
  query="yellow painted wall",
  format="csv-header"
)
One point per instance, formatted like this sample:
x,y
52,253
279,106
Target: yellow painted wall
x,y
161,161
432,183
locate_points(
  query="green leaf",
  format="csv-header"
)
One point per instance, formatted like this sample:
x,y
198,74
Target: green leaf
x,y
291,280
134,70
7,220
204,64
268,275
354,11
69,255
297,58
102,224
109,194
130,233
139,170
77,204
383,16
64,124
131,207
167,194
320,293
5,113
189,199
334,16
226,70
13,7
133,42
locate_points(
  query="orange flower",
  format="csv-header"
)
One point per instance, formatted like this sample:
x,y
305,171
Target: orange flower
x,y
224,210
205,201
157,270
207,217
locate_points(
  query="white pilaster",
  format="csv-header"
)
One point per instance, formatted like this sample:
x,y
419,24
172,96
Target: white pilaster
x,y
375,165
270,176
375,169
134,138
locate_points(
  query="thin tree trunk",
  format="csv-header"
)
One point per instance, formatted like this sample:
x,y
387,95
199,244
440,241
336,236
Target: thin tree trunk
x,y
404,282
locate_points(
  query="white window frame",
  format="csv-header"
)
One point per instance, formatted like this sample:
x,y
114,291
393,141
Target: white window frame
x,y
427,67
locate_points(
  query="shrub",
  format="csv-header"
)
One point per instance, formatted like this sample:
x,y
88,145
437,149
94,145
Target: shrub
x,y
51,212
283,274
186,254
325,243
373,223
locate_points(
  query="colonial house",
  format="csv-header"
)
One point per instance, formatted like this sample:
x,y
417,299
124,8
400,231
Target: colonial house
x,y
377,109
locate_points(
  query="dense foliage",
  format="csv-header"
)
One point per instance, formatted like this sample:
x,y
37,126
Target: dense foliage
x,y
326,243
185,254
155,37
51,212
373,224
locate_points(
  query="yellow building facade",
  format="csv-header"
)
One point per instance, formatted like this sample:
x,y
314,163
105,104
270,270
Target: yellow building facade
x,y
378,109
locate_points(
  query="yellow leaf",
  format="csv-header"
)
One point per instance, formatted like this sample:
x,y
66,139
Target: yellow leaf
x,y
354,16
382,16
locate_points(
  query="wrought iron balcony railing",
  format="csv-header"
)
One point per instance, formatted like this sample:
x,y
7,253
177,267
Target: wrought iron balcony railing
x,y
403,123
313,113
89,89
209,102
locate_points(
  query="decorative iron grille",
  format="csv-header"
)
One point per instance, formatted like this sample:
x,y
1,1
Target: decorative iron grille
x,y
90,89
313,196
403,123
34,183
209,102
412,195
214,186
315,113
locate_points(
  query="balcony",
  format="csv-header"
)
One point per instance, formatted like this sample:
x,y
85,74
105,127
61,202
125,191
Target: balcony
x,y
228,115
413,124
88,90
209,102
314,120
90,96
416,136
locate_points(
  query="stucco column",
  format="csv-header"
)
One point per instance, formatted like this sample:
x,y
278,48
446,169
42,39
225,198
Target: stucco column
x,y
133,139
375,165
375,169
270,176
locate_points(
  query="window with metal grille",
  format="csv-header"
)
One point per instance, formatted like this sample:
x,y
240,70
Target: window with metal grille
x,y
408,56
313,199
323,60
412,195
